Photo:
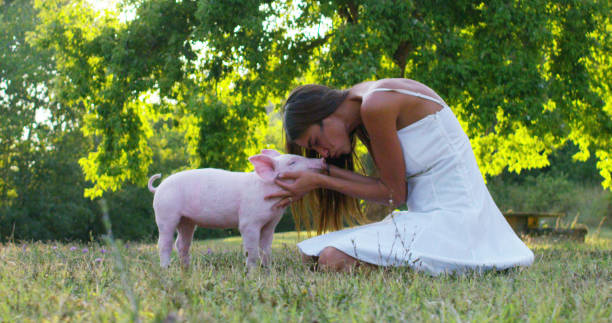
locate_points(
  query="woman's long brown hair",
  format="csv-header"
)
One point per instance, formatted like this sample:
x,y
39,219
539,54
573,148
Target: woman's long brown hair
x,y
328,210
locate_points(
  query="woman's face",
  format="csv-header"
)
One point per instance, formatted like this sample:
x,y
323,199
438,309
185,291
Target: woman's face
x,y
329,140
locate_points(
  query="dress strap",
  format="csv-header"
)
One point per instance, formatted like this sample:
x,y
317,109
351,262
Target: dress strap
x,y
408,92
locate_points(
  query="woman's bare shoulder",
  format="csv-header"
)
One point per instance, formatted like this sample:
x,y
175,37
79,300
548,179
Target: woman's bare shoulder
x,y
394,100
368,88
377,104
372,98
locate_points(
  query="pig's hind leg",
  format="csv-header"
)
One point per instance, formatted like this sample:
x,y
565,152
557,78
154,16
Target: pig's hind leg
x,y
185,228
166,226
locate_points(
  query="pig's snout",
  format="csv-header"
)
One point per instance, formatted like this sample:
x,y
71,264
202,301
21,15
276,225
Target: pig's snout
x,y
317,163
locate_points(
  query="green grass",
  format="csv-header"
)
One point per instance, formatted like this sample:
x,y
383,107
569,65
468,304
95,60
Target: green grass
x,y
569,281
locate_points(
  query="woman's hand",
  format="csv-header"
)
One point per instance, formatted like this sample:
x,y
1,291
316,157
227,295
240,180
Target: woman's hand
x,y
303,182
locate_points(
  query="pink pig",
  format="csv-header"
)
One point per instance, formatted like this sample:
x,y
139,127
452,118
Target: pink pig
x,y
215,198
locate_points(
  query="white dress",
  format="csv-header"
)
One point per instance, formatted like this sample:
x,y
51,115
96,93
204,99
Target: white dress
x,y
452,224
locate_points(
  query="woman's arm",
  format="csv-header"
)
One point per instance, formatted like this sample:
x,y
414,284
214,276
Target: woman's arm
x,y
339,172
379,114
366,188
341,180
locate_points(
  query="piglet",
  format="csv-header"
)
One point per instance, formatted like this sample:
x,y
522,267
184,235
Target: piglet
x,y
215,198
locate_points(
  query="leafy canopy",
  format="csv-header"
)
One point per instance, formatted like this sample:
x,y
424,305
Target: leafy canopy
x,y
523,77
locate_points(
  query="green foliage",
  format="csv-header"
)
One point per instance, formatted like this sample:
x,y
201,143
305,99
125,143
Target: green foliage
x,y
108,68
48,204
24,72
564,186
184,84
226,134
549,193
39,175
112,64
523,77
274,133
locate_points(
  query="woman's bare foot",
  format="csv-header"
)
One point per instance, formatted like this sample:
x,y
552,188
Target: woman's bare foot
x,y
332,259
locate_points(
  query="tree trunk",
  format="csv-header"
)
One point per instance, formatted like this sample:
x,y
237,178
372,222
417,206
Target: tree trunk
x,y
401,56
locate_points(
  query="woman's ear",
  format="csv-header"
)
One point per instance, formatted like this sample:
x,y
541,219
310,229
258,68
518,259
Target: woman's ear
x,y
270,152
265,166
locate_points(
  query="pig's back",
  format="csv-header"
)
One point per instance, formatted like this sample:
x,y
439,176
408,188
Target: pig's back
x,y
208,196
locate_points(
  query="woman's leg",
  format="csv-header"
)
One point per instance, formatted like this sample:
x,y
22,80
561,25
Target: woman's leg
x,y
332,259
308,260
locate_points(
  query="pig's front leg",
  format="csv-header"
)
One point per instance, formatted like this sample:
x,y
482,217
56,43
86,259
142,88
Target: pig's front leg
x,y
265,242
250,238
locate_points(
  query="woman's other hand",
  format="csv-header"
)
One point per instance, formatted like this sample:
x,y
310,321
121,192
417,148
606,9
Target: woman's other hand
x,y
295,185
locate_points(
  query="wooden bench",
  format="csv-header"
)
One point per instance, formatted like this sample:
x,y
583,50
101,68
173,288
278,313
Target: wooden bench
x,y
529,223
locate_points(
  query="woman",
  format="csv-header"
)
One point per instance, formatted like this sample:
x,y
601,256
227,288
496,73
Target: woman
x,y
424,160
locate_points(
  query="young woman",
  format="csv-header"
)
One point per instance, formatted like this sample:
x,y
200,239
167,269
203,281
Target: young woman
x,y
425,161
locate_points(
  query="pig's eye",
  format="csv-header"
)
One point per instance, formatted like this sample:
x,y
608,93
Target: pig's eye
x,y
292,163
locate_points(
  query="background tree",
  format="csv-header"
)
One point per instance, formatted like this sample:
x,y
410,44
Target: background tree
x,y
40,141
23,73
160,86
524,77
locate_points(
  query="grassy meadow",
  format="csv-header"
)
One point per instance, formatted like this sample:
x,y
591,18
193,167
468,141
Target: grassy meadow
x,y
47,282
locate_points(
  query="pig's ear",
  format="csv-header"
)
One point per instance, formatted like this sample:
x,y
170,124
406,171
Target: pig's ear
x,y
265,166
270,152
